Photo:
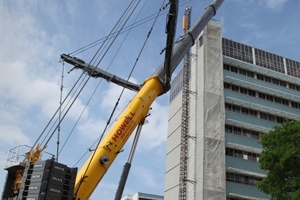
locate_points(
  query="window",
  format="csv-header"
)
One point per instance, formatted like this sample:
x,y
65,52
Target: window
x,y
240,178
234,69
277,100
268,79
237,130
226,67
269,60
253,113
234,88
243,91
282,83
285,102
260,77
261,95
227,86
250,74
228,128
241,131
263,116
293,68
294,104
269,98
236,108
243,72
275,81
245,111
237,50
279,120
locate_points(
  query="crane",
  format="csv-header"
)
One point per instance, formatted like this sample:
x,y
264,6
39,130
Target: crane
x,y
91,173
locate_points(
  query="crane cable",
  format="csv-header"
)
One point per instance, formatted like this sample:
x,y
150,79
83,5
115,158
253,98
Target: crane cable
x,y
108,122
94,90
118,98
148,36
112,33
55,127
128,29
125,29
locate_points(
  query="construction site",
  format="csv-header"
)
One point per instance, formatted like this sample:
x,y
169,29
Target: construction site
x,y
223,97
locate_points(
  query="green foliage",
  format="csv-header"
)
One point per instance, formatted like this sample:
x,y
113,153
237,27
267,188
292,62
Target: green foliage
x,y
281,158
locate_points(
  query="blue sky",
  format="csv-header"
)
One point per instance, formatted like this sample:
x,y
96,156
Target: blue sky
x,y
33,34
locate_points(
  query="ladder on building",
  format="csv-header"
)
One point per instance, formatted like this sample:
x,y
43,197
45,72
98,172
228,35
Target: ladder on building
x,y
185,113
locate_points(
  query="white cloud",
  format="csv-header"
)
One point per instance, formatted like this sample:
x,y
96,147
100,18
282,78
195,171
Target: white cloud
x,y
274,4
154,133
91,129
145,175
12,135
112,94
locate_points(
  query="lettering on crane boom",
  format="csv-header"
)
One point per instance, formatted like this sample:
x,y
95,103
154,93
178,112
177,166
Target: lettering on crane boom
x,y
122,132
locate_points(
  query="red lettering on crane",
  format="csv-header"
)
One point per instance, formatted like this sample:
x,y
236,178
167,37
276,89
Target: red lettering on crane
x,y
115,137
122,128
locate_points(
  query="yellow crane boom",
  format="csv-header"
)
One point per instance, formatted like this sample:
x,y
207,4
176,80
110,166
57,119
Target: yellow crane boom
x,y
95,167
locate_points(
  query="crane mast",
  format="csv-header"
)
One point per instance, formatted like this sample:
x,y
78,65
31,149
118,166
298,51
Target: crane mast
x,y
183,177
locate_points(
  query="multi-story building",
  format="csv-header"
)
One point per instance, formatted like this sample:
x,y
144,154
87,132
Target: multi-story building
x,y
235,93
142,196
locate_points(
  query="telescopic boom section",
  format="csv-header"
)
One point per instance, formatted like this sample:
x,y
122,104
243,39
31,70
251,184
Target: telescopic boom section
x,y
171,31
183,46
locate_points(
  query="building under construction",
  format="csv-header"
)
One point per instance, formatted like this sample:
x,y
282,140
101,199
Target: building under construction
x,y
234,93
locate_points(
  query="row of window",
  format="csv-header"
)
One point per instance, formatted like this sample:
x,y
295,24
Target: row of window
x,y
237,50
260,95
292,68
269,60
242,110
239,89
240,178
242,154
269,79
273,99
241,131
238,70
264,59
261,77
254,113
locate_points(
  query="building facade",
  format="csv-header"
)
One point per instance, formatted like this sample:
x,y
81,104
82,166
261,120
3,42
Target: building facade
x,y
142,196
236,93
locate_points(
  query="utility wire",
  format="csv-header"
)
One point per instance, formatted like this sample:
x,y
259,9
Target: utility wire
x,y
125,29
58,121
82,82
137,59
100,80
96,66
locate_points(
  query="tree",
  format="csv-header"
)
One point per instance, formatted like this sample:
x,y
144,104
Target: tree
x,y
281,158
